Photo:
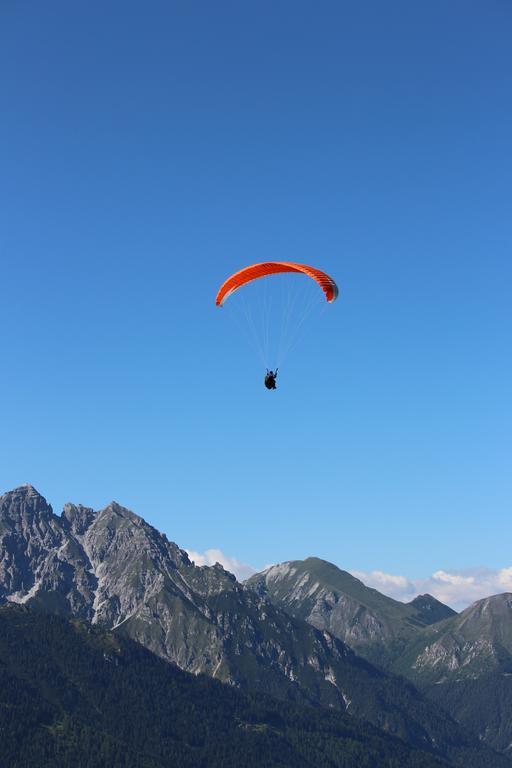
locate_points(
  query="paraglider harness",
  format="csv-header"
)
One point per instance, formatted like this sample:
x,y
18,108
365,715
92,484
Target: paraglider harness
x,y
270,379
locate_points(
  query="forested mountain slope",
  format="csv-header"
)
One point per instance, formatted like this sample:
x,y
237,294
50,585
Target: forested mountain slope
x,y
72,695
465,664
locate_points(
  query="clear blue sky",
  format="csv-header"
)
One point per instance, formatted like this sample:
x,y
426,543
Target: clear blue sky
x,y
149,149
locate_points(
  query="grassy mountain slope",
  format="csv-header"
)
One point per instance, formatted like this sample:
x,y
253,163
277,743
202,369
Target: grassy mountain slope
x,y
327,597
483,706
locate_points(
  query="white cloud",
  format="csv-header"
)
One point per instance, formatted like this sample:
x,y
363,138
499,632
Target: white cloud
x,y
232,564
453,578
455,588
388,580
505,579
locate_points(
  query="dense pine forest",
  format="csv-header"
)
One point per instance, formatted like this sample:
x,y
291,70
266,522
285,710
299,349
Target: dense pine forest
x,y
73,695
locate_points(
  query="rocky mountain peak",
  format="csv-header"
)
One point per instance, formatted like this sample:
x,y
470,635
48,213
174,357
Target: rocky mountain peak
x,y
501,603
77,518
28,532
27,488
24,510
491,615
116,510
430,610
23,501
118,521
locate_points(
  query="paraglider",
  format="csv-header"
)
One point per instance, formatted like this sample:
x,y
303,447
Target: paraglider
x,y
263,330
270,379
255,271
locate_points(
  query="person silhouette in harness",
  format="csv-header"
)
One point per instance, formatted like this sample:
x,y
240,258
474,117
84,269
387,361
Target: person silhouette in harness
x,y
270,379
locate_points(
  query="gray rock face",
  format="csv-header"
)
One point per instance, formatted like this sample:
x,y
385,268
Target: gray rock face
x,y
110,567
473,643
37,556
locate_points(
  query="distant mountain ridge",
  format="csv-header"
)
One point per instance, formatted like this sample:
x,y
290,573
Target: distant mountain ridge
x,y
463,662
111,568
329,598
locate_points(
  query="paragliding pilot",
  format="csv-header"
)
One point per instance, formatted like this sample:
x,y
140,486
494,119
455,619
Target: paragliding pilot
x,y
270,379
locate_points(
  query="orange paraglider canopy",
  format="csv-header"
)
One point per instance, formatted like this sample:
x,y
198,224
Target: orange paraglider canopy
x,y
255,271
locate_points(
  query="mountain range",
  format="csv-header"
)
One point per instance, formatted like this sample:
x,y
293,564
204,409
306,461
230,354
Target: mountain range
x,y
462,662
331,599
303,632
